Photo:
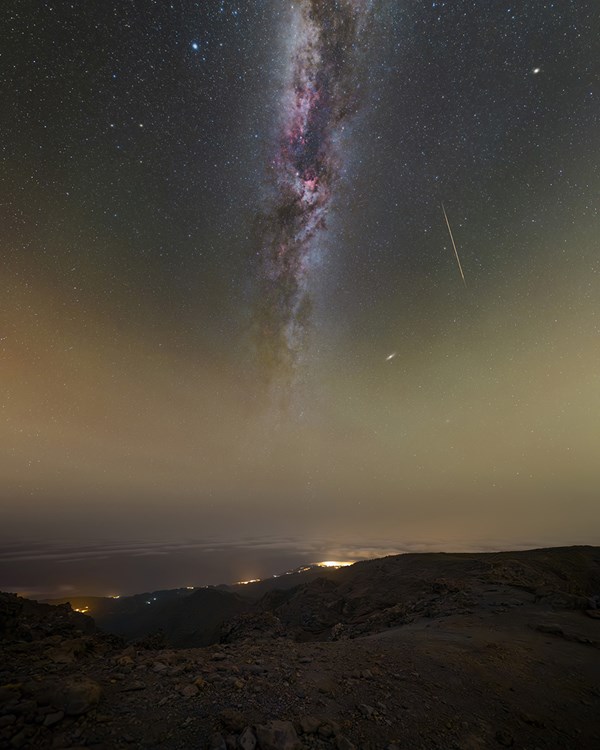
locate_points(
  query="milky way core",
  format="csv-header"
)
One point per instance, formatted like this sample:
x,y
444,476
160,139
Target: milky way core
x,y
322,93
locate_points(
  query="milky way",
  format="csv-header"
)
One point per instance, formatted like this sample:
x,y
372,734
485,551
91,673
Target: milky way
x,y
322,94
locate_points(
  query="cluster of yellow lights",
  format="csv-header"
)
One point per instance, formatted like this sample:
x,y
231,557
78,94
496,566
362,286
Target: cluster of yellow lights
x,y
82,609
324,564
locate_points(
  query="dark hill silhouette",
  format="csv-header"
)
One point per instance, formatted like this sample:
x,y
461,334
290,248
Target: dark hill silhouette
x,y
365,597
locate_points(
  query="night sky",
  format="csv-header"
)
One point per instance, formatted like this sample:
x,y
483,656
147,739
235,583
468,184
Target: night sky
x,y
231,309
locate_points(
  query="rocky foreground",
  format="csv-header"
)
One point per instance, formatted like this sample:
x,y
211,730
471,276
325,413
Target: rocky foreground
x,y
416,651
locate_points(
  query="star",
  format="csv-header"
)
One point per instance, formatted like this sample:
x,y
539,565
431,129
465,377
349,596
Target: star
x,y
535,71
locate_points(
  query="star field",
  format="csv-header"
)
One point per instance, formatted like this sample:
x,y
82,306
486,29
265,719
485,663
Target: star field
x,y
152,155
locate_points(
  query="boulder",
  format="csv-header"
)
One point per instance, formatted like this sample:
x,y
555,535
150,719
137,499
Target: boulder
x,y
77,696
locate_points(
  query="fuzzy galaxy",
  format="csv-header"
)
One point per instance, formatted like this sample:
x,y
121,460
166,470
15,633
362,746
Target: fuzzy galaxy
x,y
322,94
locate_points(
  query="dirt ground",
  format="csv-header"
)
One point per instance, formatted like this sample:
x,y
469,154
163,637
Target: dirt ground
x,y
520,676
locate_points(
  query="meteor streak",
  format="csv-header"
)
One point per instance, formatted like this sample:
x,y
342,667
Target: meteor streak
x,y
454,246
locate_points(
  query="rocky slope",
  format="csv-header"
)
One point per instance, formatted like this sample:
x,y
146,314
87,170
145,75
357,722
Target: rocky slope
x,y
417,651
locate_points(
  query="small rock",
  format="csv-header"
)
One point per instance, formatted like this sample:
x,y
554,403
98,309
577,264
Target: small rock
x,y
277,735
327,686
504,738
551,628
217,742
124,661
366,711
532,720
9,692
79,695
326,731
309,724
53,718
247,739
232,720
343,743
133,687
158,666
188,691
252,669
19,739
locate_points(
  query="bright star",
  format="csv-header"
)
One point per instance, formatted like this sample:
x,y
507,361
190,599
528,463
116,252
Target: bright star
x,y
536,71
195,46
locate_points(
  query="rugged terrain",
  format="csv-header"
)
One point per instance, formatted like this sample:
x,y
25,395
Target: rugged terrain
x,y
411,651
